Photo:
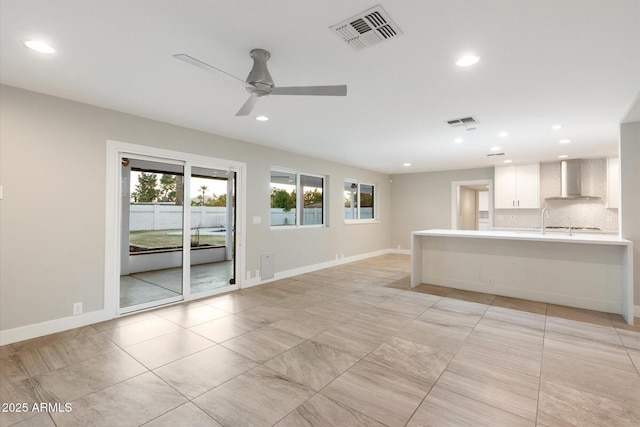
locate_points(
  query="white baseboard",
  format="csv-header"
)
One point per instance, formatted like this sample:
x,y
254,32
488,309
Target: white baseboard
x,y
256,281
52,326
58,325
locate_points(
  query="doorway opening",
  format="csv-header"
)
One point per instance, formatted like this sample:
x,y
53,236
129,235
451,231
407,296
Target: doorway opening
x,y
472,205
160,202
175,228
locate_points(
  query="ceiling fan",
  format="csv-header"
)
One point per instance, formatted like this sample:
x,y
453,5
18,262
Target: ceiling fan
x,y
259,83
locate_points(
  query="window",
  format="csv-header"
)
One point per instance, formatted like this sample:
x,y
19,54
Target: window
x,y
312,209
297,199
359,201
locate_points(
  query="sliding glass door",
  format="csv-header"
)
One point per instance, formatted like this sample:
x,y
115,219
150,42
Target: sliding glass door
x,y
151,261
156,228
212,236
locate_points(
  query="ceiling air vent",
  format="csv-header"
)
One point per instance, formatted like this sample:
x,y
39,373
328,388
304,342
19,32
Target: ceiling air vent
x,y
367,28
495,154
468,122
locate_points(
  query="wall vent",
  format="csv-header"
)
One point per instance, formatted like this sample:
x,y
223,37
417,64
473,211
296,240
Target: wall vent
x,y
267,266
366,29
468,122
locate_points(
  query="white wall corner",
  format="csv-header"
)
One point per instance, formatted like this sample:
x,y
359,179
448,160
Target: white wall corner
x,y
400,251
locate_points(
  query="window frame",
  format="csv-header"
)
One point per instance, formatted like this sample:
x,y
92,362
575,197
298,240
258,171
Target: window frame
x,y
359,219
300,199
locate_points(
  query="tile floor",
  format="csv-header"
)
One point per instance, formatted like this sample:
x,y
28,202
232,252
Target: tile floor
x,y
149,286
349,345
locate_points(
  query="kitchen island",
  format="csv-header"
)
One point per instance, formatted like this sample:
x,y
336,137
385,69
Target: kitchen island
x,y
591,271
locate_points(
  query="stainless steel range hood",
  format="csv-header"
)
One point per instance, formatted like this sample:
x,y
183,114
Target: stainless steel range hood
x,y
571,177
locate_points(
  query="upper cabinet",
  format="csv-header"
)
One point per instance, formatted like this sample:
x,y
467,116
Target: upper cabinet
x,y
483,201
517,187
613,182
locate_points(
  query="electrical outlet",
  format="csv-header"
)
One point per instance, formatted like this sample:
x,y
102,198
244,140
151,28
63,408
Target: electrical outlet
x,y
257,274
248,275
336,257
77,308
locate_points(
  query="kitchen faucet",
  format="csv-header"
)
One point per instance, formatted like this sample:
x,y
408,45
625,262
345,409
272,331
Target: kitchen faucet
x,y
542,217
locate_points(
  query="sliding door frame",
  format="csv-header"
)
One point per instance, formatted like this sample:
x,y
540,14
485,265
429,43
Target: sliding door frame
x,y
114,205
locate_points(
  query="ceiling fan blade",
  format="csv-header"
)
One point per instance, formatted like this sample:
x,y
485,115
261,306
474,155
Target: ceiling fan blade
x,y
340,90
247,106
203,65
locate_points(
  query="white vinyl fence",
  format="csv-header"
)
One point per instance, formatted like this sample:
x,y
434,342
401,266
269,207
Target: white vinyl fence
x,y
312,215
169,217
309,216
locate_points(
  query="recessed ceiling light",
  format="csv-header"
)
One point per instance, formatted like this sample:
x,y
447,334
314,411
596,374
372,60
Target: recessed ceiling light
x,y
466,61
458,140
503,134
262,118
496,148
564,141
508,161
39,46
563,156
406,164
556,127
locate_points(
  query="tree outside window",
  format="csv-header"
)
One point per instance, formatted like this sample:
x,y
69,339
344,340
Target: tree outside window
x,y
359,201
296,199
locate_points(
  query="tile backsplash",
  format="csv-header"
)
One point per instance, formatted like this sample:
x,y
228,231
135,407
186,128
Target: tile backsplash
x,y
583,213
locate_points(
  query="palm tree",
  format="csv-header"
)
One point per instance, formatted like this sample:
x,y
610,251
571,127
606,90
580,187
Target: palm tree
x,y
203,188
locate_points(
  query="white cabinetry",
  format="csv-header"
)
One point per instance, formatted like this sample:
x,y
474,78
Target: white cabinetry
x,y
517,187
483,200
613,182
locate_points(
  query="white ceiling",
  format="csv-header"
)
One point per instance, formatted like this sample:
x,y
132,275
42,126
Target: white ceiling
x,y
543,62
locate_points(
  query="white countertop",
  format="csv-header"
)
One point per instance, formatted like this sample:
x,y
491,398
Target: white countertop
x,y
564,230
600,239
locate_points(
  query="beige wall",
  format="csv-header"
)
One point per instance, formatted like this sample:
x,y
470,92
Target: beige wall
x,y
630,195
422,201
53,155
468,209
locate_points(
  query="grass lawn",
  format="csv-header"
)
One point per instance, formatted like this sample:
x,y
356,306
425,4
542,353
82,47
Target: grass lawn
x,y
161,239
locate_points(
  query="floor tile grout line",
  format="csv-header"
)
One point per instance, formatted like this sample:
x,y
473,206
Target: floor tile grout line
x,y
627,351
544,337
373,283
343,372
590,362
445,368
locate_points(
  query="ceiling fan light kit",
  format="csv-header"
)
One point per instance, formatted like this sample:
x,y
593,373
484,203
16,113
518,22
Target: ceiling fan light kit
x,y
259,83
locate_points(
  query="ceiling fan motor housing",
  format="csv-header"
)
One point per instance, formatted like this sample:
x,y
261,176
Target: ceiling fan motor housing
x,y
259,77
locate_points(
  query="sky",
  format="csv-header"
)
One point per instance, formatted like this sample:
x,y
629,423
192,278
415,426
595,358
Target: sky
x,y
214,186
